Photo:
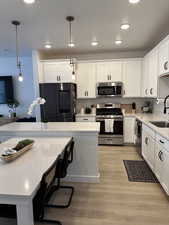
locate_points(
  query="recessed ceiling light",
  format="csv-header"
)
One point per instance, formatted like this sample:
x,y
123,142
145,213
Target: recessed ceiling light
x,y
94,43
29,1
71,45
48,46
125,26
134,1
118,42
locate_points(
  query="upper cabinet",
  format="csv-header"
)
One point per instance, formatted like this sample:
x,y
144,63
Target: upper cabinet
x,y
56,72
164,57
132,72
86,80
109,71
150,74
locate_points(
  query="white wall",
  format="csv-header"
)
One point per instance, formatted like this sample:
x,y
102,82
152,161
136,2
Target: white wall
x,y
23,91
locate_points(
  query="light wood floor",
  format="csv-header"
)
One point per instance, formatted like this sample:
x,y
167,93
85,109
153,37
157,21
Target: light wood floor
x,y
115,200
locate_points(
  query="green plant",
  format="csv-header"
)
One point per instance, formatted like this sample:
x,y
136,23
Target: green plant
x,y
23,144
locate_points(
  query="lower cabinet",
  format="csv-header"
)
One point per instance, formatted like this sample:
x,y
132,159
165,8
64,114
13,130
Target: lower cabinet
x,y
148,148
155,150
162,166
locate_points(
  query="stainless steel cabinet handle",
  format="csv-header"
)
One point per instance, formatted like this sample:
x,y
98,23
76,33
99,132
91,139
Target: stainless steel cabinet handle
x,y
124,92
107,77
166,65
146,140
85,119
161,156
151,91
110,77
57,78
85,93
146,91
162,142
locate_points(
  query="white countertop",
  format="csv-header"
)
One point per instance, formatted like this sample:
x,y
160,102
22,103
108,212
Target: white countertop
x,y
22,176
147,117
52,127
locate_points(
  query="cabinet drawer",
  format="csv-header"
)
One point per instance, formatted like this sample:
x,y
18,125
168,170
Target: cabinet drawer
x,y
163,142
86,119
149,131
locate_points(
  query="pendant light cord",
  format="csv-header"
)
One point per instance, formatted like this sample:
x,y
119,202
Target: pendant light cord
x,y
17,49
70,30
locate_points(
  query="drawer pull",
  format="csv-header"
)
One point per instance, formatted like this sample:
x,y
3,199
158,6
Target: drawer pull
x,y
85,119
162,142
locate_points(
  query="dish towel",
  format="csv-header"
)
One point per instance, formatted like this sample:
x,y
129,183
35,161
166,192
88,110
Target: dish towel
x,y
109,125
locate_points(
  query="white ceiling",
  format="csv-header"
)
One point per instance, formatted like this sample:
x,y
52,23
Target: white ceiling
x,y
100,19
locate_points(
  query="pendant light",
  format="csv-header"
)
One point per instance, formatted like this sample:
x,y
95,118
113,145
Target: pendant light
x,y
72,64
71,44
18,62
70,19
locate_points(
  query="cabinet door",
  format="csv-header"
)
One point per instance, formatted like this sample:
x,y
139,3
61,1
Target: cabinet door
x,y
86,82
57,72
153,73
145,145
164,57
145,86
132,73
151,152
158,161
115,71
129,130
165,172
109,71
148,149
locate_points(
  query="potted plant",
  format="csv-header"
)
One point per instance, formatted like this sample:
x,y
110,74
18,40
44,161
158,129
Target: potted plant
x,y
13,105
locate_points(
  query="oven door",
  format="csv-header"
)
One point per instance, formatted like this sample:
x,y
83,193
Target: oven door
x,y
112,90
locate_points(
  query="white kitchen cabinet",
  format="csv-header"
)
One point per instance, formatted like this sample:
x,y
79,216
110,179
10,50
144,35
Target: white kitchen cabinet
x,y
153,73
162,162
132,74
145,79
57,72
150,74
164,57
109,71
156,154
148,148
129,129
86,80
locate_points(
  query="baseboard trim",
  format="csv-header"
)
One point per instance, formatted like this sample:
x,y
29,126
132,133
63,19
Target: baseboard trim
x,y
82,179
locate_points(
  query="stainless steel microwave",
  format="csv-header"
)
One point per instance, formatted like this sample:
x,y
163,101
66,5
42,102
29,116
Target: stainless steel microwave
x,y
110,89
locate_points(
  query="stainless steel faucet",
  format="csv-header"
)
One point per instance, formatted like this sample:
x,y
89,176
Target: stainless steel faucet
x,y
165,104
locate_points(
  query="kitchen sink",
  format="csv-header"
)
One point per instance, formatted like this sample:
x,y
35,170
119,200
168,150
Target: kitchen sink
x,y
160,124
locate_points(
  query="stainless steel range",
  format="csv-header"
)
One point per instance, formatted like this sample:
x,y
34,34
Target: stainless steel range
x,y
111,124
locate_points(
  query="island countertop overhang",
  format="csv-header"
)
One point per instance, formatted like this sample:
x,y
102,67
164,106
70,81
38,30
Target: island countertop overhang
x,y
89,127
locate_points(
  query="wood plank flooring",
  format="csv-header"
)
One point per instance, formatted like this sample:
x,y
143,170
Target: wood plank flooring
x,y
115,200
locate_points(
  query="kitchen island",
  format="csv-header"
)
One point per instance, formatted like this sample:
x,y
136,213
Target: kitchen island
x,y
85,165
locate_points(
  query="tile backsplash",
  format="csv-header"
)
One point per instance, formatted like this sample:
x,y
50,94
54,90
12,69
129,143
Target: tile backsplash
x,y
88,102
